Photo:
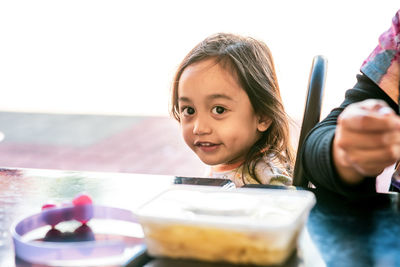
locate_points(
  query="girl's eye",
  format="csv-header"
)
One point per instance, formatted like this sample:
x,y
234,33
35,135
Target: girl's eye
x,y
187,111
218,110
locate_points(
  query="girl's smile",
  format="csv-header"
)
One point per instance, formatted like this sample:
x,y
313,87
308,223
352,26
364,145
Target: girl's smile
x,y
207,147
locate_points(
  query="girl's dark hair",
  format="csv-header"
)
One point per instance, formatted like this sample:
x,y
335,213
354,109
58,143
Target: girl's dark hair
x,y
252,63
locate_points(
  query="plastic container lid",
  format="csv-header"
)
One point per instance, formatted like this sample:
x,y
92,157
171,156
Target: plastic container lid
x,y
242,207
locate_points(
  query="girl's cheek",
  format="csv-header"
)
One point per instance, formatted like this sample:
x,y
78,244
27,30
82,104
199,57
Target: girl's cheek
x,y
187,135
186,129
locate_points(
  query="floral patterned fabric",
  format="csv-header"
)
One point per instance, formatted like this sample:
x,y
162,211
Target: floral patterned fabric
x,y
382,65
266,171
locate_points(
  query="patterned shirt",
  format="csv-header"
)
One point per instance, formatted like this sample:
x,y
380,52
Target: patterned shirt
x,y
266,171
383,67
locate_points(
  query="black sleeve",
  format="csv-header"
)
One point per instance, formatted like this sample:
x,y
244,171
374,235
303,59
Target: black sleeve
x,y
317,150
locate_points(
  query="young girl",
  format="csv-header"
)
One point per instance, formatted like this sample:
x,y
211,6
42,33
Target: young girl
x,y
226,97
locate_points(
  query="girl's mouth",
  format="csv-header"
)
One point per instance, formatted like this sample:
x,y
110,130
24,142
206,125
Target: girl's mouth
x,y
206,146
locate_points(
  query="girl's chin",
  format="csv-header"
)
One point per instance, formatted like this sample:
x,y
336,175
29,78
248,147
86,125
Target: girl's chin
x,y
210,162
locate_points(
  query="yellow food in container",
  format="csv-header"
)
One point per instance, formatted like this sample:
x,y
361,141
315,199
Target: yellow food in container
x,y
241,226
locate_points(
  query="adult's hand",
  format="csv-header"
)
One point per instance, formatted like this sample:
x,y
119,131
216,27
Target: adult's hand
x,y
367,140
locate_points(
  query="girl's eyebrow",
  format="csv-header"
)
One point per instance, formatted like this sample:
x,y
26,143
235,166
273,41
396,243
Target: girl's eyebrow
x,y
183,99
216,96
210,97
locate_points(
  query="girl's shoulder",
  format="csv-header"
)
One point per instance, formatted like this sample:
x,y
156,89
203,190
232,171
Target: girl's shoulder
x,y
270,172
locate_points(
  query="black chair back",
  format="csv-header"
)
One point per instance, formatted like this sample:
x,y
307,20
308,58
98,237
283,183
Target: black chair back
x,y
312,112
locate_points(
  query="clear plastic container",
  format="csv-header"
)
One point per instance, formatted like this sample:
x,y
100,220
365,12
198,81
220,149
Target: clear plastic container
x,y
243,226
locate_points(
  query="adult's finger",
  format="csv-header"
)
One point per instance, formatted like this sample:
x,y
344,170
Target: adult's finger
x,y
369,121
355,139
383,157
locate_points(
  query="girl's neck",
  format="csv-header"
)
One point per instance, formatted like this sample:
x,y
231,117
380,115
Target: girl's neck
x,y
226,167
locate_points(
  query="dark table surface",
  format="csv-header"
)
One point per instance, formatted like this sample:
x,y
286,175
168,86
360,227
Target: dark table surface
x,y
339,232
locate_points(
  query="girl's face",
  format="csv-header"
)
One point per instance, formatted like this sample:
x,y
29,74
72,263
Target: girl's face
x,y
217,119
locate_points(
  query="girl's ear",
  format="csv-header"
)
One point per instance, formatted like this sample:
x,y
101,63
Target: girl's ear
x,y
263,123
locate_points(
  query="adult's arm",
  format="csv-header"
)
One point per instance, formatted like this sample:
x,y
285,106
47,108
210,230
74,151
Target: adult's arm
x,y
317,156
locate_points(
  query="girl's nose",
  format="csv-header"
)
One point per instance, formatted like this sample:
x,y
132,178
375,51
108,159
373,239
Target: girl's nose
x,y
201,127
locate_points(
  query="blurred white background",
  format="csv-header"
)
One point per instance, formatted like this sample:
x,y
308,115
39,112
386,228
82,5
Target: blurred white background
x,y
119,57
